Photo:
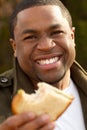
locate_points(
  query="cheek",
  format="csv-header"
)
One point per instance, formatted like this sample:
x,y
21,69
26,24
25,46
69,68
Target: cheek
x,y
24,55
70,53
68,45
64,42
22,50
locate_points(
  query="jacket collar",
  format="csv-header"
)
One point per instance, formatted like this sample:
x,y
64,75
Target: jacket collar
x,y
21,80
79,76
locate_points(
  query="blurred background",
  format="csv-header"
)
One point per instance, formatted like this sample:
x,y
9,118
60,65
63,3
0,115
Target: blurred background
x,y
78,10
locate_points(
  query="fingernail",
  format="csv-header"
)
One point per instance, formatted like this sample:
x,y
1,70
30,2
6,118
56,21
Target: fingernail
x,y
51,125
31,114
45,117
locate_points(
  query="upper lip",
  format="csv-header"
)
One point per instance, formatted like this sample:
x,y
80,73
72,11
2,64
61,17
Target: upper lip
x,y
47,56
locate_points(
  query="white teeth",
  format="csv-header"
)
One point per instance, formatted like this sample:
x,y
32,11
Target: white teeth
x,y
48,61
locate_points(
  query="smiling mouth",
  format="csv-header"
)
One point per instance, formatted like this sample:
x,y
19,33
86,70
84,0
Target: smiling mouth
x,y
48,61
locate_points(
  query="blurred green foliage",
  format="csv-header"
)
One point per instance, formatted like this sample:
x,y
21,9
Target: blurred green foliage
x,y
78,10
81,43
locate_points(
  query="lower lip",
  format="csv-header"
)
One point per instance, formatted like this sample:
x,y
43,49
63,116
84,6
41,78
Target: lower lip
x,y
49,66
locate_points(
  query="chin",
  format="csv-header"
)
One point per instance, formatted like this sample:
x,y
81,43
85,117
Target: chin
x,y
52,79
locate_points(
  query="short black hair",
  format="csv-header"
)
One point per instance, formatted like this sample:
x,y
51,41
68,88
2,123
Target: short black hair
x,y
24,4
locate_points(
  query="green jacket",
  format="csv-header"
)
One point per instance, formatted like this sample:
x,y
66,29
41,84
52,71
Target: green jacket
x,y
12,80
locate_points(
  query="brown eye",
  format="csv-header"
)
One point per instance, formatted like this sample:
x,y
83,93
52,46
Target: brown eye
x,y
31,37
57,33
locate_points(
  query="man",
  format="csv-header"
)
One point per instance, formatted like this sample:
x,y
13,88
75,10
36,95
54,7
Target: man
x,y
42,38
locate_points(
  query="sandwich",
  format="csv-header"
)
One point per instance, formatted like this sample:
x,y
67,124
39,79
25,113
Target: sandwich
x,y
47,99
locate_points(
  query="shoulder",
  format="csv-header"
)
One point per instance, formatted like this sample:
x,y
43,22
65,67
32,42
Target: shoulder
x,y
6,78
79,76
78,70
6,90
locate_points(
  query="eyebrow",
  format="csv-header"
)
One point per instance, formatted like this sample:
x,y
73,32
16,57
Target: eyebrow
x,y
35,31
29,31
54,26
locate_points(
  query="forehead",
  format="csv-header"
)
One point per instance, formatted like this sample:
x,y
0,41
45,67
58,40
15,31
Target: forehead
x,y
41,7
40,17
45,11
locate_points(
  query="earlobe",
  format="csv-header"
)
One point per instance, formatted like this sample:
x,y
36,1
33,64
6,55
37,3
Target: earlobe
x,y
13,44
73,29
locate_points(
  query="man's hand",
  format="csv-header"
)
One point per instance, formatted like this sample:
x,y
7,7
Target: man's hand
x,y
27,121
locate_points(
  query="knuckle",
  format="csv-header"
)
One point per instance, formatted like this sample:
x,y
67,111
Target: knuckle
x,y
42,120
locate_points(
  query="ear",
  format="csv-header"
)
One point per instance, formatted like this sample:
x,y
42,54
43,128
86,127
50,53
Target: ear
x,y
73,35
13,44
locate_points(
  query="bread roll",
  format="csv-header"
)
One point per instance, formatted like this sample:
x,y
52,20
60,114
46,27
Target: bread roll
x,y
47,99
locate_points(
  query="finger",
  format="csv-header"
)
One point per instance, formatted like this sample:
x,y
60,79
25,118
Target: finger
x,y
37,123
49,126
15,121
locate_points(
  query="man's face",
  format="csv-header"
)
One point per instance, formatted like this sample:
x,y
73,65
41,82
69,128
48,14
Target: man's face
x,y
43,43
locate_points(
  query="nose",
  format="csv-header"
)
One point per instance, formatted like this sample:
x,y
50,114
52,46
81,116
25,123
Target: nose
x,y
45,43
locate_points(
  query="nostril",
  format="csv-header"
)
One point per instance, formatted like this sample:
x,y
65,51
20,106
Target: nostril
x,y
46,44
